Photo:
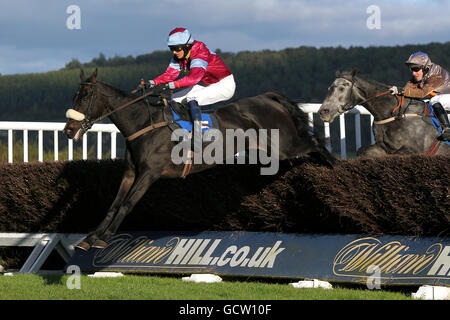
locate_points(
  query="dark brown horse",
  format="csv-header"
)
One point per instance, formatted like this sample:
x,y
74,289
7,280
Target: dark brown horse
x,y
149,127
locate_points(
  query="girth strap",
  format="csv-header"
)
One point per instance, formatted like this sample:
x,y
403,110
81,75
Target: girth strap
x,y
406,115
149,128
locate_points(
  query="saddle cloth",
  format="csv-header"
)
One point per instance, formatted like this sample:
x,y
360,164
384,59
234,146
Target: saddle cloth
x,y
209,121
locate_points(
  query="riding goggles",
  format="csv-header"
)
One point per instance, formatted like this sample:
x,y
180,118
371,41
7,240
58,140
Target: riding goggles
x,y
415,69
176,48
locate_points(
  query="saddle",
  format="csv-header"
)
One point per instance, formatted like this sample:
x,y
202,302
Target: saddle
x,y
180,117
182,110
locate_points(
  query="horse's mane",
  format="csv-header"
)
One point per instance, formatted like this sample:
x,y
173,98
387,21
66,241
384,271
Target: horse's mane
x,y
375,83
121,92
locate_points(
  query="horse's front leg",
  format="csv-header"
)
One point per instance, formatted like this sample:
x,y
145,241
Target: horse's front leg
x,y
125,186
143,181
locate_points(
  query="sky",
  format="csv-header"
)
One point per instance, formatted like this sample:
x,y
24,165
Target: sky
x,y
44,35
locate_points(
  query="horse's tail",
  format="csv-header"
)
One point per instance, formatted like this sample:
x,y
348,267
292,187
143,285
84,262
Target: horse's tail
x,y
305,128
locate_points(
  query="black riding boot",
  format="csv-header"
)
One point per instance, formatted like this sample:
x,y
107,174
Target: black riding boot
x,y
442,116
194,109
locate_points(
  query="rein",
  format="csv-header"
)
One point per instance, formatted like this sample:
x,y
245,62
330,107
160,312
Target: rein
x,y
376,96
400,104
344,107
125,105
86,123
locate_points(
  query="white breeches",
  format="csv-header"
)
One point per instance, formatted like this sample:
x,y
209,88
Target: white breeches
x,y
207,94
443,99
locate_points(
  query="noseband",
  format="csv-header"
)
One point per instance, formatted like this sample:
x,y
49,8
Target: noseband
x,y
86,123
84,119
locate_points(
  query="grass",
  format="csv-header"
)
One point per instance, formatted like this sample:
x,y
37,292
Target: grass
x,y
138,287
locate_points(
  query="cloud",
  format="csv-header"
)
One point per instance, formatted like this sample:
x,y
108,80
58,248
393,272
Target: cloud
x,y
34,33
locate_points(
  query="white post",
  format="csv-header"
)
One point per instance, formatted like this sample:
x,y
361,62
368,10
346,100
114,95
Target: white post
x,y
358,130
342,136
10,146
55,145
372,138
311,122
326,126
99,145
25,145
40,146
113,145
85,138
70,149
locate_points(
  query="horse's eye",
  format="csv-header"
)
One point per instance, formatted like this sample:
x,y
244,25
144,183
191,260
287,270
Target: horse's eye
x,y
341,89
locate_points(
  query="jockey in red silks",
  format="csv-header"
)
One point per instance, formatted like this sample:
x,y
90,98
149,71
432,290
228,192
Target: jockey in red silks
x,y
206,80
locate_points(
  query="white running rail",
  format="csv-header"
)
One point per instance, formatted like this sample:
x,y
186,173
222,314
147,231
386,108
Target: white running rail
x,y
311,108
57,127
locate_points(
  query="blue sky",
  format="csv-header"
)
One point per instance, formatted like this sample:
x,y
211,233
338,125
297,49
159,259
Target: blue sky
x,y
34,36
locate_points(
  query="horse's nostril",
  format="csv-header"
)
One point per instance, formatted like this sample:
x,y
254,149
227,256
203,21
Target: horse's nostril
x,y
67,131
324,111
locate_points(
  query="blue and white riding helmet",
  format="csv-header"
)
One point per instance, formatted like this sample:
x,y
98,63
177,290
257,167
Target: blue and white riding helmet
x,y
179,37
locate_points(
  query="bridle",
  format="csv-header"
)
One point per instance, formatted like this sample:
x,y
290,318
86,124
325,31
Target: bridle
x,y
400,100
351,104
86,123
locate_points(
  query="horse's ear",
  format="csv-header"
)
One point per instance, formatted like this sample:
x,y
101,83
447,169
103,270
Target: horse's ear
x,y
94,76
82,76
354,72
338,74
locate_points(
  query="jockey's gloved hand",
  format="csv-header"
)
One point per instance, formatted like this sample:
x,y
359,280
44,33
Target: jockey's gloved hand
x,y
160,88
145,85
395,90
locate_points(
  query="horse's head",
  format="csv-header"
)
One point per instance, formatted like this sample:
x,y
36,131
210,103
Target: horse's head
x,y
341,97
85,108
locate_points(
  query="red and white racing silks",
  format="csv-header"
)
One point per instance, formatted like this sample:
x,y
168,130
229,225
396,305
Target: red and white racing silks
x,y
200,64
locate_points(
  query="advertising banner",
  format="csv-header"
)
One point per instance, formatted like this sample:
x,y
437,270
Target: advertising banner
x,y
347,258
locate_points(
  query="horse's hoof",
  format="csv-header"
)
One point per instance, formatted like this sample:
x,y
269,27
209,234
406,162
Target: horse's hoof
x,y
99,244
83,245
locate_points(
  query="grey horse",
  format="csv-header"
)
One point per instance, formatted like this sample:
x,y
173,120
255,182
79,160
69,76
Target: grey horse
x,y
401,125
